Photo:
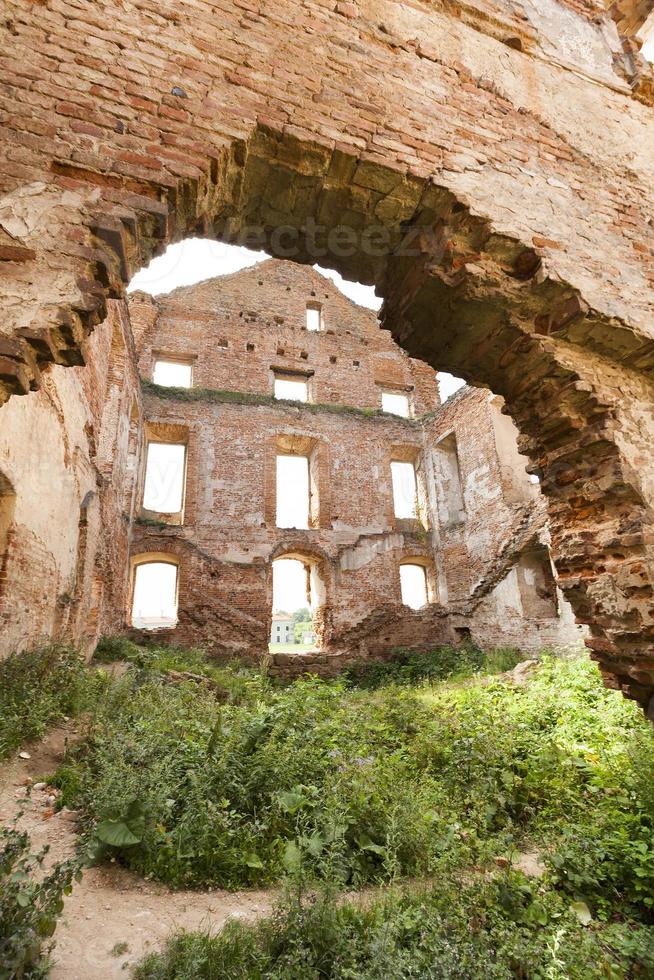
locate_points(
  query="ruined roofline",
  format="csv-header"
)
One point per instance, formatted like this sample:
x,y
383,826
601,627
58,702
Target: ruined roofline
x,y
260,269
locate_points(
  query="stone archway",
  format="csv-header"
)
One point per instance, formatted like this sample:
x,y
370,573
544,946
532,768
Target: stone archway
x,y
477,277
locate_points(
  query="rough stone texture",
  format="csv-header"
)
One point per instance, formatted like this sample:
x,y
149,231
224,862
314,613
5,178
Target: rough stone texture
x,y
233,329
66,457
512,140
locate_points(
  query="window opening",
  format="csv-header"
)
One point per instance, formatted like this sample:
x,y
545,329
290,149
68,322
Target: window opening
x,y
172,374
164,478
405,490
154,603
293,491
395,403
413,584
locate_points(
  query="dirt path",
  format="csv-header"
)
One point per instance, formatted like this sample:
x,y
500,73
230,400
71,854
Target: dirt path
x,y
110,908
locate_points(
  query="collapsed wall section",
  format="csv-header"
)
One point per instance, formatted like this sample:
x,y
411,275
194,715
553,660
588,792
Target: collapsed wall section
x,y
69,452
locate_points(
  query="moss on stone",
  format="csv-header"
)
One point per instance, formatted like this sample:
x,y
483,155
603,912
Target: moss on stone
x,y
219,396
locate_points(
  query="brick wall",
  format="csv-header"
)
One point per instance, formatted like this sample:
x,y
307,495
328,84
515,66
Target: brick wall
x,y
66,452
233,328
512,141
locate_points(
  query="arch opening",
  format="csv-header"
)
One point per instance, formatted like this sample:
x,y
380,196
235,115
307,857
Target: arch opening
x,y
458,294
154,593
299,596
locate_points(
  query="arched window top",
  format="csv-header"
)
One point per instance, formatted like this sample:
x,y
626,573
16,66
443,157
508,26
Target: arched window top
x,y
154,595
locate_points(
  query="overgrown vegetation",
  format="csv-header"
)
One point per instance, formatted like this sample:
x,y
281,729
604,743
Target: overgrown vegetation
x,y
408,666
200,773
218,396
40,688
354,785
495,928
30,903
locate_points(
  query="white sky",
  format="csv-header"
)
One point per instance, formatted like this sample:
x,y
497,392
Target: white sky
x,y
155,594
189,262
289,585
413,583
404,489
292,492
164,478
646,33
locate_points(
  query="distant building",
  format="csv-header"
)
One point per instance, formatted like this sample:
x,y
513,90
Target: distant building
x,y
283,629
309,636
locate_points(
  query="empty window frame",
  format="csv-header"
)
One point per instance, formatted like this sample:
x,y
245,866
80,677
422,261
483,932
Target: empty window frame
x,y
448,481
172,374
165,471
293,491
314,316
396,403
405,490
413,585
154,603
293,388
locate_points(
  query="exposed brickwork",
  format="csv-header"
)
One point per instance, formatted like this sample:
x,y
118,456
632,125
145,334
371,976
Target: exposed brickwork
x,y
514,137
229,536
66,452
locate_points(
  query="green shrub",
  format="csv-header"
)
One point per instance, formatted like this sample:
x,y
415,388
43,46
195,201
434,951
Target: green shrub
x,y
39,688
30,903
410,666
237,681
355,785
495,929
111,649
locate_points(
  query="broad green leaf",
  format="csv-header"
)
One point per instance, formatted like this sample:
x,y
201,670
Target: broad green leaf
x,y
582,912
116,833
292,859
291,801
253,860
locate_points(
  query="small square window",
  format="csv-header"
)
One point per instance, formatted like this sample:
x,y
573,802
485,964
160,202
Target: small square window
x,y
172,374
314,316
395,403
295,389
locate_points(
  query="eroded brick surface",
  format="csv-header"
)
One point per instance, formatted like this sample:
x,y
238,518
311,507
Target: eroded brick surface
x,y
512,139
239,331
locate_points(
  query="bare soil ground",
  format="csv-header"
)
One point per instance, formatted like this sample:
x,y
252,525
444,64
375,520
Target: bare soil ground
x,y
110,907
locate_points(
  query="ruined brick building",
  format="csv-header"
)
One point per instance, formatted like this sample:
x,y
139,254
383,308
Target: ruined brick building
x,y
274,362
487,166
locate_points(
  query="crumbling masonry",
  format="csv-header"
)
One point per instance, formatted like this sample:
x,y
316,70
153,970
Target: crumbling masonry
x,y
479,531
491,167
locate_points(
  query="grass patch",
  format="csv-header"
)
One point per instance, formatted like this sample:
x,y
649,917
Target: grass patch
x,y
408,667
30,903
496,928
39,688
355,785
